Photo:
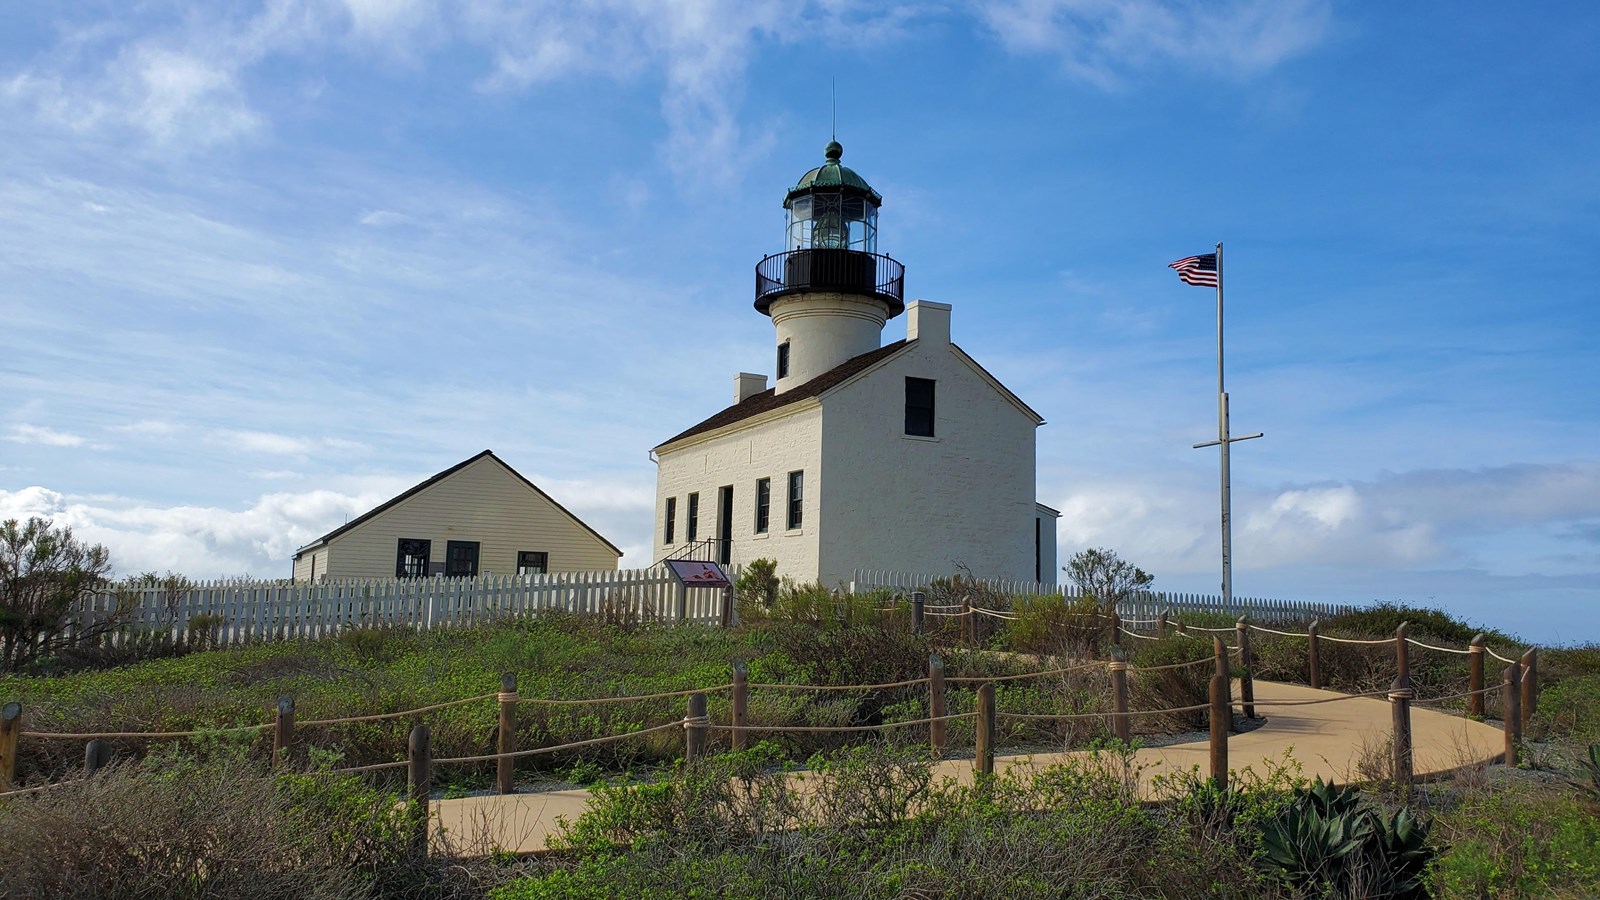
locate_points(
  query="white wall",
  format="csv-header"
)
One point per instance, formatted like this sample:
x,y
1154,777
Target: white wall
x,y
483,502
1049,573
772,449
824,330
965,496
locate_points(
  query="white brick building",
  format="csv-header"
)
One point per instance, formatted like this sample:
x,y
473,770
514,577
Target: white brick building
x,y
906,456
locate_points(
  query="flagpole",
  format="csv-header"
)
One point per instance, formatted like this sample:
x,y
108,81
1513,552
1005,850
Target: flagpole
x,y
1223,442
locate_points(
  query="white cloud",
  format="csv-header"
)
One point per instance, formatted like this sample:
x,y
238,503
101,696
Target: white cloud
x,y
1102,41
271,443
49,437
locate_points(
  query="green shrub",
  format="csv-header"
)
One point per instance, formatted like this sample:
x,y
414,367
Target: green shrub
x,y
1570,709
758,585
1055,625
1519,842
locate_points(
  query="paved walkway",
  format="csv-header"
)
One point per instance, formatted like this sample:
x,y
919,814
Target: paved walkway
x,y
1327,739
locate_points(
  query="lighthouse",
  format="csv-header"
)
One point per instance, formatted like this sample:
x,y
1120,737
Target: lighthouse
x,y
829,292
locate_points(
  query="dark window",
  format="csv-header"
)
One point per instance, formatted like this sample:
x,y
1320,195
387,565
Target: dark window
x,y
725,524
672,521
1038,549
461,559
919,407
694,516
410,558
763,504
783,360
532,562
796,489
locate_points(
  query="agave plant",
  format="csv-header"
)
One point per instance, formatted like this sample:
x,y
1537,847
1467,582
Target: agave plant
x,y
1399,852
1326,838
1308,848
1591,767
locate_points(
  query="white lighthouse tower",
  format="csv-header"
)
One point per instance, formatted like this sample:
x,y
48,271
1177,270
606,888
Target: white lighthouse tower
x,y
830,292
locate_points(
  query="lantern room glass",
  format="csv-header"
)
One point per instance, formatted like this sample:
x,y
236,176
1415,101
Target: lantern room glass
x,y
832,221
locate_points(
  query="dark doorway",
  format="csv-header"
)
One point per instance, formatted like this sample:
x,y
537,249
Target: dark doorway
x,y
725,524
461,559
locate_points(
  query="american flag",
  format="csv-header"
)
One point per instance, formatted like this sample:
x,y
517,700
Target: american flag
x,y
1200,271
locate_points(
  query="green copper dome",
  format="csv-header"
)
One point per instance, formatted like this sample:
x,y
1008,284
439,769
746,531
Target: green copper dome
x,y
830,177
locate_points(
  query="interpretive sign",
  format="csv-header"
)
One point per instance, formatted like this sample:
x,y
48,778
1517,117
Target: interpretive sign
x,y
697,573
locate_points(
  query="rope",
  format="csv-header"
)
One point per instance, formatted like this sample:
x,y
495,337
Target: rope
x,y
372,768
1158,712
394,715
1354,641
575,744
826,729
1140,621
144,735
661,696
34,790
995,613
1142,637
1202,628
1101,715
1181,665
1499,657
1417,643
969,679
840,687
1369,694
1275,631
1483,690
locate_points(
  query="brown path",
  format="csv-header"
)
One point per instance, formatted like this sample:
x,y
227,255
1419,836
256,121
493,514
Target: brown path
x,y
1327,740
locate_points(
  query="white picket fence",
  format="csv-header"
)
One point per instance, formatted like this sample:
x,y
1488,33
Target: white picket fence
x,y
244,611
1144,606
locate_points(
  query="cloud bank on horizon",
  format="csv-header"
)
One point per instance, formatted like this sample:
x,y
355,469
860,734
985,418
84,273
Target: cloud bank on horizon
x,y
269,263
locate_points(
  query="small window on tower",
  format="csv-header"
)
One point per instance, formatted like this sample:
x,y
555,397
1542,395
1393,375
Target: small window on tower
x,y
919,407
783,360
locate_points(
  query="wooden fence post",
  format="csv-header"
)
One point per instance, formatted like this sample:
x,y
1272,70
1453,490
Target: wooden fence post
x,y
419,783
919,602
283,731
741,704
96,756
1182,628
1512,691
10,734
1402,656
1475,654
936,704
969,625
694,729
1119,697
1161,624
683,603
1116,629
984,763
727,607
1400,697
1530,685
1314,653
505,766
1221,719
1221,651
1247,686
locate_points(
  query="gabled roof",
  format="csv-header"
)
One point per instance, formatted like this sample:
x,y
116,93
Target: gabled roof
x,y
401,498
768,400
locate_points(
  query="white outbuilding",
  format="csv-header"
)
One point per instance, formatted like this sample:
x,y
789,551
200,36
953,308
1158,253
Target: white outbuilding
x,y
907,456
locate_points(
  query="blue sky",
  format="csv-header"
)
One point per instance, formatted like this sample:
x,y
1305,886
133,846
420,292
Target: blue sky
x,y
265,265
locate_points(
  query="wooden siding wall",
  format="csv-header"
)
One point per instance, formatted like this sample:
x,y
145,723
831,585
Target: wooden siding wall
x,y
484,503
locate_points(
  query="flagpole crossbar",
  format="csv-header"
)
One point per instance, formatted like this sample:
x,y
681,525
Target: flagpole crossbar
x,y
1232,440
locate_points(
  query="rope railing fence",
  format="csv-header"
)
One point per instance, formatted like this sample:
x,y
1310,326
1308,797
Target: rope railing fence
x,y
1518,687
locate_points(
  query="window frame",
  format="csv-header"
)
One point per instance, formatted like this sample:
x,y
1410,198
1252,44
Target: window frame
x,y
449,558
403,569
763,505
915,411
783,360
691,518
670,526
544,561
794,514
